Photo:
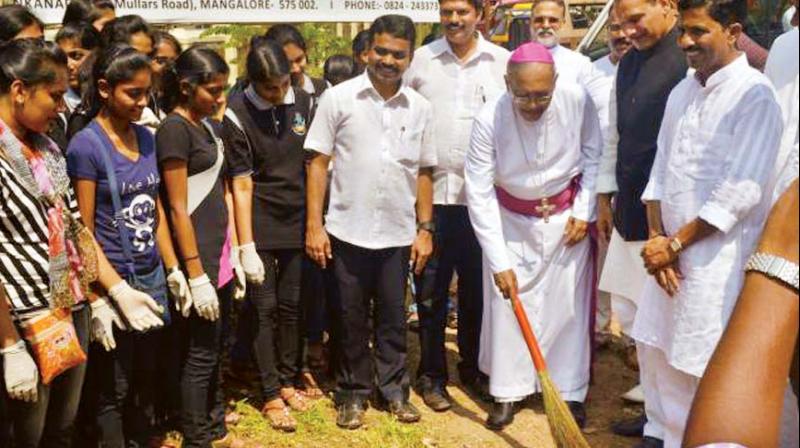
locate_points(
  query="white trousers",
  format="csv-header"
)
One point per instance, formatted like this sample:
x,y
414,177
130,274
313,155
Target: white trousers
x,y
668,399
624,311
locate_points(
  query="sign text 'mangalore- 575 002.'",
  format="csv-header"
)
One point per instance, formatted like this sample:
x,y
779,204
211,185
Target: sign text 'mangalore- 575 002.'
x,y
252,11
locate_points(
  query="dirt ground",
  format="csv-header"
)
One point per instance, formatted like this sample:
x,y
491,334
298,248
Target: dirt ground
x,y
462,427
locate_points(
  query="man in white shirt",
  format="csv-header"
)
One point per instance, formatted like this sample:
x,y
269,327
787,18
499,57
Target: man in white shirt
x,y
547,18
707,200
530,175
782,69
379,134
458,74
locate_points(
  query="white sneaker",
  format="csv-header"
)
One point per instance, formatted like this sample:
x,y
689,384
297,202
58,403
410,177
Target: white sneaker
x,y
635,395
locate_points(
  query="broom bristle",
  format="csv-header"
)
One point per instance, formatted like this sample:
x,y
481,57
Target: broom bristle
x,y
562,424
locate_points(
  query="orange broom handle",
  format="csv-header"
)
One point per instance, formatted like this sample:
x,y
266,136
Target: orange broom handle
x,y
527,333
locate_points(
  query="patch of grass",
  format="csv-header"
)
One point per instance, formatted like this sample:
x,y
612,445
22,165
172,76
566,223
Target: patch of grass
x,y
317,428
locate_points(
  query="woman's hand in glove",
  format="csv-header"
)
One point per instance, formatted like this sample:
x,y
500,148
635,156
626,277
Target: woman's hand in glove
x,y
138,308
20,373
205,298
252,264
104,317
179,288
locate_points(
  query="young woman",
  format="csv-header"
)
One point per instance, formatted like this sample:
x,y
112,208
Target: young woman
x,y
114,149
17,22
41,256
77,41
294,45
96,13
199,206
166,49
264,131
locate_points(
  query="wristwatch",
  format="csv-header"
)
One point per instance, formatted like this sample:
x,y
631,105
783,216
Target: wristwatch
x,y
775,267
427,226
675,245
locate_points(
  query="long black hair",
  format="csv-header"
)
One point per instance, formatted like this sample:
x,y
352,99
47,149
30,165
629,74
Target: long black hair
x,y
286,34
120,30
86,11
116,65
196,66
31,61
163,36
15,18
85,34
266,60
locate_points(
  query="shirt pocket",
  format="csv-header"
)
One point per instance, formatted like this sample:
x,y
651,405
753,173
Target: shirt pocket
x,y
407,146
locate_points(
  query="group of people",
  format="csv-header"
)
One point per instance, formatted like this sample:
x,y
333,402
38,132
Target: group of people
x,y
142,199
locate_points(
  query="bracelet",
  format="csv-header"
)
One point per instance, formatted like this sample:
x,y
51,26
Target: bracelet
x,y
18,347
776,268
193,257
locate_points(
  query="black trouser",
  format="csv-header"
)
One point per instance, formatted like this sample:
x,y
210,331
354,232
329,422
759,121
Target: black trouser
x,y
126,384
277,334
49,421
362,275
203,408
457,249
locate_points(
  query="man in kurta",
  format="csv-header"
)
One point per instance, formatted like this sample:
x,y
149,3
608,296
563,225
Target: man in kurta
x,y
530,175
707,201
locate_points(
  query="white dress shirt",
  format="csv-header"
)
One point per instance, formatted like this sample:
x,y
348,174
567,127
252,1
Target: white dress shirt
x,y
782,69
457,90
606,72
530,160
378,147
716,153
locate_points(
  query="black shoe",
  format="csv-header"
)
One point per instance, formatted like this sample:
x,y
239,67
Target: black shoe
x,y
633,427
404,411
479,390
501,415
650,442
437,400
578,411
350,415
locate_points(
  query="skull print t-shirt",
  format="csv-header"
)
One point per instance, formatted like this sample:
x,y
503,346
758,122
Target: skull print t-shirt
x,y
138,185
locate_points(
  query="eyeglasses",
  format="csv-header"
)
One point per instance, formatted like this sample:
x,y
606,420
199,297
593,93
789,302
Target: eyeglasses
x,y
537,99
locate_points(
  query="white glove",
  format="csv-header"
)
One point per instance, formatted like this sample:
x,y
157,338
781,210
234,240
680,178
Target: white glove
x,y
104,317
179,288
20,372
205,298
252,264
141,311
239,276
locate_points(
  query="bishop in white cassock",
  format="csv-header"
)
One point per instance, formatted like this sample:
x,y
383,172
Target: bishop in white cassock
x,y
530,175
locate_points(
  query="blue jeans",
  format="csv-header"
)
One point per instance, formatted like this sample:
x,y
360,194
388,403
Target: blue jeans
x,y
457,250
49,421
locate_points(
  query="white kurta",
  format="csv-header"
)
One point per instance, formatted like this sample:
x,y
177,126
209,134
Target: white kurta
x,y
716,153
783,69
533,161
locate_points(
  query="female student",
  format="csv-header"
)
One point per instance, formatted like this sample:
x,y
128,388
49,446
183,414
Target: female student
x,y
199,206
113,165
264,131
294,46
17,22
46,260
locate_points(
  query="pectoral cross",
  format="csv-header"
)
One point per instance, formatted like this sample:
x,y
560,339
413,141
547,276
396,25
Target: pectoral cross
x,y
545,209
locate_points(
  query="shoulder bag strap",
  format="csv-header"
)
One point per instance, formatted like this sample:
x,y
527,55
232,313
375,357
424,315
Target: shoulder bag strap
x,y
116,201
201,184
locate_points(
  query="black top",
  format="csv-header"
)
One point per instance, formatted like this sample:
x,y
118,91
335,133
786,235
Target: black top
x,y
269,147
177,138
644,82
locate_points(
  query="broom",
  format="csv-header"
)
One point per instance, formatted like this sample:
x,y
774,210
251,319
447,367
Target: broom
x,y
562,424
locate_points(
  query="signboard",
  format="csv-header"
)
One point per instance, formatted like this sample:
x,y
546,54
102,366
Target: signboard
x,y
252,11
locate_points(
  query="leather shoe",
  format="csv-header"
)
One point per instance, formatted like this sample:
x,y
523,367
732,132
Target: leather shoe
x,y
633,427
501,415
350,415
578,411
650,442
437,400
478,389
404,411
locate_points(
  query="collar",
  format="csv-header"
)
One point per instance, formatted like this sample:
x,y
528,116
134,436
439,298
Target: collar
x,y
725,73
308,85
367,88
72,99
441,47
262,104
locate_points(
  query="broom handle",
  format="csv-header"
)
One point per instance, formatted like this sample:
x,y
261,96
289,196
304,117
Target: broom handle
x,y
527,333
